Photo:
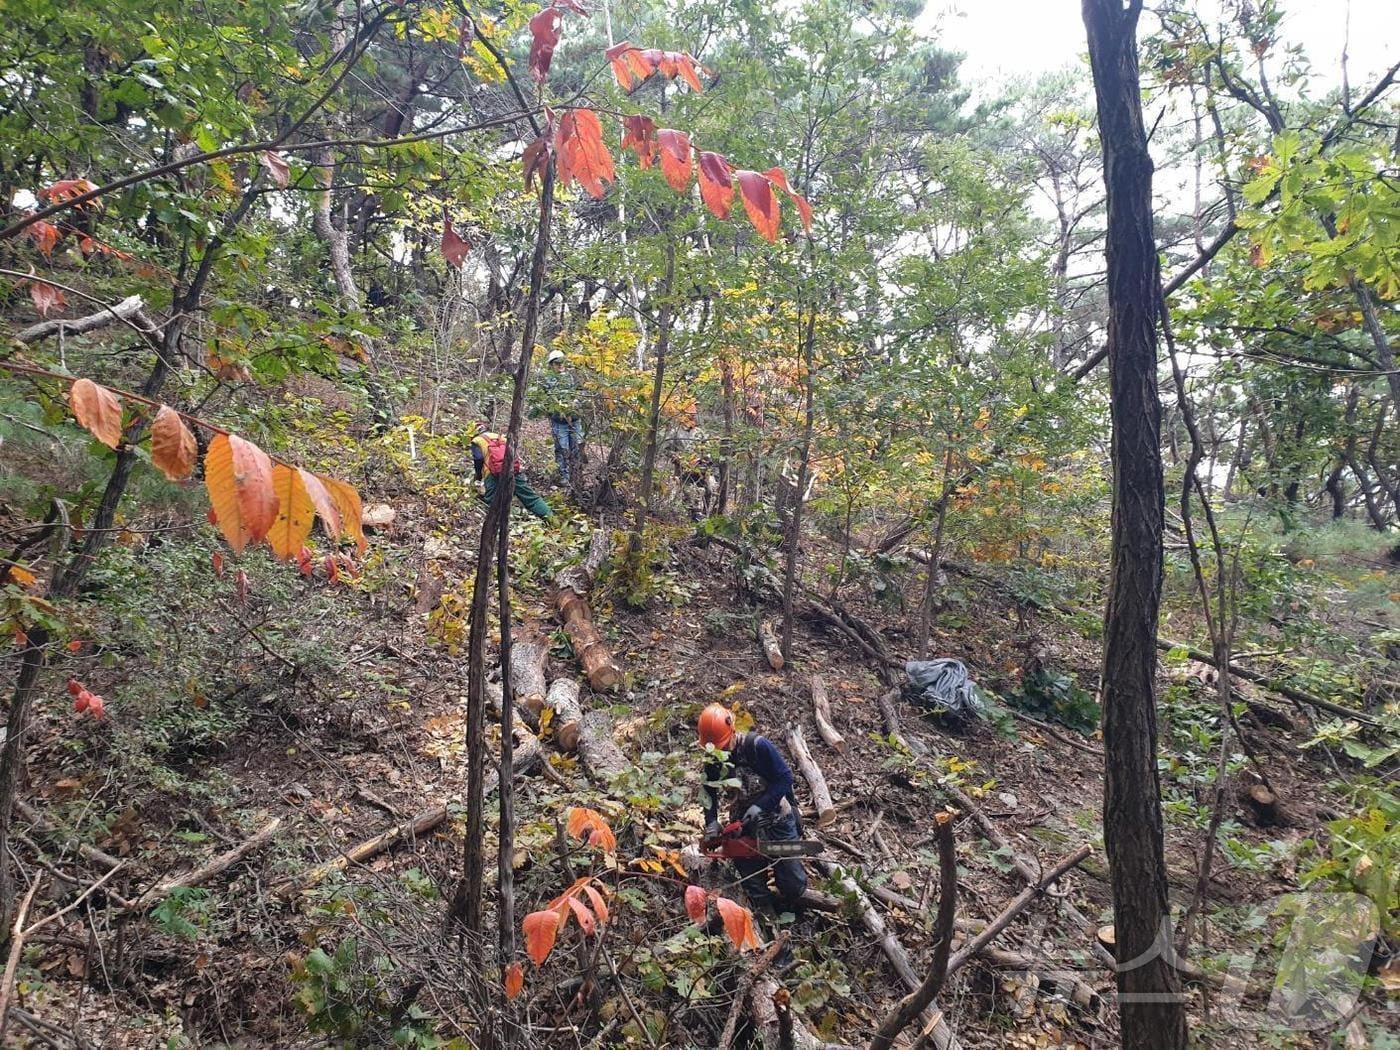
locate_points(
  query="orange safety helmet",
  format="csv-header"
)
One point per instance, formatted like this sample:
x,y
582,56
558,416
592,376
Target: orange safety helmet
x,y
717,726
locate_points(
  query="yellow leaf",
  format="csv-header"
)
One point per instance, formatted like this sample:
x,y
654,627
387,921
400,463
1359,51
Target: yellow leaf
x,y
295,513
238,476
22,576
347,502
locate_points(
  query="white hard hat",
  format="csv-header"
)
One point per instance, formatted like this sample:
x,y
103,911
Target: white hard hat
x,y
554,355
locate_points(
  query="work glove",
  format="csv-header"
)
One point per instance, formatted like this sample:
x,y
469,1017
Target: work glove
x,y
751,816
481,488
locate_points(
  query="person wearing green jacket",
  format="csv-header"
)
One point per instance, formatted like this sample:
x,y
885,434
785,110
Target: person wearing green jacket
x,y
559,395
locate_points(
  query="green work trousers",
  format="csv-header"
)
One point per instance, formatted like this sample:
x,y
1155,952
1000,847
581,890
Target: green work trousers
x,y
528,497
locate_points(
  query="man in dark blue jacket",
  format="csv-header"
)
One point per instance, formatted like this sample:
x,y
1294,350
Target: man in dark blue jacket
x,y
762,799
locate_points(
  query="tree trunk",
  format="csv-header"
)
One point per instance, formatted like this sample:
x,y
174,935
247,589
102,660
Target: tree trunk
x,y
794,537
663,344
1152,1013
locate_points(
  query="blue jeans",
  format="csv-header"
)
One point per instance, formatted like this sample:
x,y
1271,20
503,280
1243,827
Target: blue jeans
x,y
568,436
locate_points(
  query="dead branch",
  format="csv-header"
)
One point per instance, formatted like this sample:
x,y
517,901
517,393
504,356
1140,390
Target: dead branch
x,y
821,705
527,681
921,998
16,949
41,825
203,874
741,995
885,702
129,310
421,824
894,952
1018,904
766,1018
573,585
821,796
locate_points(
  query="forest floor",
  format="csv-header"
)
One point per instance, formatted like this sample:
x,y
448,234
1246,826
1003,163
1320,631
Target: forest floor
x,y
340,711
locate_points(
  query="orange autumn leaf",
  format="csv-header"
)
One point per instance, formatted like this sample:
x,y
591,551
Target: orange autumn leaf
x,y
581,155
238,476
738,923
627,63
44,235
586,921
639,135
20,575
173,448
675,158
515,980
454,245
695,903
98,409
46,297
541,928
322,501
295,513
778,178
600,904
347,504
588,826
716,184
760,203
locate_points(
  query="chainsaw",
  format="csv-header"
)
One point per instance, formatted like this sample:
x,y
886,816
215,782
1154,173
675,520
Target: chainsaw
x,y
734,843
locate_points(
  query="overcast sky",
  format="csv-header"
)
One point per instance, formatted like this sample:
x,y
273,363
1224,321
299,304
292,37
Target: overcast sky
x,y
1005,38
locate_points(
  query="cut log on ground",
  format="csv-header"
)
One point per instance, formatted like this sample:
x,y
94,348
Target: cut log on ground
x,y
821,706
204,873
528,657
768,638
573,584
765,1017
562,699
745,989
602,759
821,796
944,1038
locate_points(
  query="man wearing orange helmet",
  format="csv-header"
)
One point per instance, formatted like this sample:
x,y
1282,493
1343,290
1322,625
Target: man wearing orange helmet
x,y
763,801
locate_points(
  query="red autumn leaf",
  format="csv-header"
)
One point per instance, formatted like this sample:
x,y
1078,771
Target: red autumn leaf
x,y
738,923
67,189
276,167
304,565
586,922
778,178
582,157
716,184
45,297
44,235
88,245
544,33
589,826
241,586
332,568
541,928
674,64
218,561
695,903
98,409
675,158
75,687
515,980
454,247
760,202
639,135
600,905
96,707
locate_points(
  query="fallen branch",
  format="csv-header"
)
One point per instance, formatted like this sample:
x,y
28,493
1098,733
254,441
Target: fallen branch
x,y
821,796
41,825
821,706
1064,738
741,995
923,997
1017,904
203,874
129,310
1298,696
885,702
16,950
894,952
421,824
